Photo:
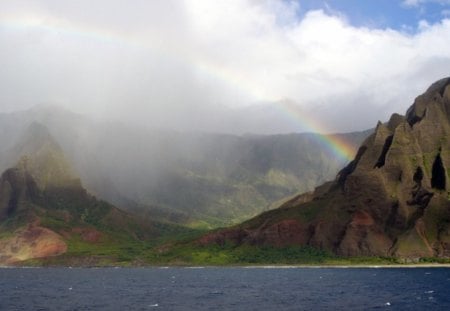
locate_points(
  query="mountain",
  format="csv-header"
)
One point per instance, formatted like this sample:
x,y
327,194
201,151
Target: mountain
x,y
392,200
194,179
221,179
45,212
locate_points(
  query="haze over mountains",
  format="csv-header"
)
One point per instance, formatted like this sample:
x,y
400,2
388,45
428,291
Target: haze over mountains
x,y
391,201
192,178
45,211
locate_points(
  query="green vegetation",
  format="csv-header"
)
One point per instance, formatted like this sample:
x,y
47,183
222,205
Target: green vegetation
x,y
171,245
133,253
434,260
230,255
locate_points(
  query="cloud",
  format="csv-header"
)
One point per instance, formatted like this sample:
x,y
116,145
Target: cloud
x,y
192,64
412,3
417,3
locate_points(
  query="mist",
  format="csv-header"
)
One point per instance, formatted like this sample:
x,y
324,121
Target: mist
x,y
208,66
189,178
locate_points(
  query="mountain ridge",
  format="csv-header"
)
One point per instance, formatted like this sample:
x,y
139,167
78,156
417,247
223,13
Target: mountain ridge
x,y
391,200
220,179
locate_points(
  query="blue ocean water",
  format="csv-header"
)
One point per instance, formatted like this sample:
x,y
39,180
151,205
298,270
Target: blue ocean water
x,y
224,289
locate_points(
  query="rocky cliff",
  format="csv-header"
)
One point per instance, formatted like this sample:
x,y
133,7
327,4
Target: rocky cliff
x,y
391,200
45,211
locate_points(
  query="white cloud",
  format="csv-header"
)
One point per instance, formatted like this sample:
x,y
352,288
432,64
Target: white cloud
x,y
323,59
417,3
179,64
412,3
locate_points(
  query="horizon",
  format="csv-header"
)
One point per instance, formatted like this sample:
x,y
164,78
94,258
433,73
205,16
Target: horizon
x,y
98,119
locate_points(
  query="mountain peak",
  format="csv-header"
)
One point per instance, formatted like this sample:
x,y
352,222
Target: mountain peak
x,y
439,86
35,134
38,153
437,96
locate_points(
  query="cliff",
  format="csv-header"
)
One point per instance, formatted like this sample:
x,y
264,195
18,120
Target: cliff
x,y
391,200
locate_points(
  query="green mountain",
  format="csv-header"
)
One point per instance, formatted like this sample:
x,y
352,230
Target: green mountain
x,y
194,179
392,200
45,212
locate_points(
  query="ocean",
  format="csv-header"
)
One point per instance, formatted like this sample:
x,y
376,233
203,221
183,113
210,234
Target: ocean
x,y
227,288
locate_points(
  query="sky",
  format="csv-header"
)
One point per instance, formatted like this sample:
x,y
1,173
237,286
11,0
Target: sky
x,y
263,66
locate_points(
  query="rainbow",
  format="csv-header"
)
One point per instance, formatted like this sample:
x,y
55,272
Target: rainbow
x,y
340,147
236,80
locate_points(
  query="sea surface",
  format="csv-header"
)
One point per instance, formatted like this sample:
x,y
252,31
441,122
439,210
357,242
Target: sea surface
x,y
225,289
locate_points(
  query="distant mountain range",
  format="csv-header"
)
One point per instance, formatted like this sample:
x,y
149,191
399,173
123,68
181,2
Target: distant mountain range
x,y
195,179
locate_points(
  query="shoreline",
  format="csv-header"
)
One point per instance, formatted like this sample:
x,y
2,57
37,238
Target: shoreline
x,y
281,266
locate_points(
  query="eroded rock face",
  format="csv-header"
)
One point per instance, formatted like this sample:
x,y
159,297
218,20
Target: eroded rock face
x,y
391,200
30,242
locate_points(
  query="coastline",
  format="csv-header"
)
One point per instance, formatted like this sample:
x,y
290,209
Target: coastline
x,y
280,266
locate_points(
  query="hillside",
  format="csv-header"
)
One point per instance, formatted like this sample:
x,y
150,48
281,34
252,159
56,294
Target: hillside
x,y
195,179
392,200
45,212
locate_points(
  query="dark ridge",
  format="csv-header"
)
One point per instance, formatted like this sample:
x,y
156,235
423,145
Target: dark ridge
x,y
21,183
342,175
413,120
439,86
11,176
418,176
12,203
438,174
443,87
412,117
382,159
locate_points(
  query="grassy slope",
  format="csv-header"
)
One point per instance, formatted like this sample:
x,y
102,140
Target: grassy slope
x,y
118,238
125,242
153,254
